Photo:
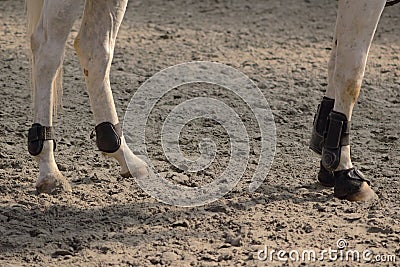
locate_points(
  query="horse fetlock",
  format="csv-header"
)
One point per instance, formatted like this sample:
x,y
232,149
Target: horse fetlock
x,y
131,165
111,142
50,180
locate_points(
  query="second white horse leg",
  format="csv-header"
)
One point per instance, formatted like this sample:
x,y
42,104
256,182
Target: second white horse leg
x,y
95,47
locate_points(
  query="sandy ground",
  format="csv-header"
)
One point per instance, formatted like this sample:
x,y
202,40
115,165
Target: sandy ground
x,y
283,46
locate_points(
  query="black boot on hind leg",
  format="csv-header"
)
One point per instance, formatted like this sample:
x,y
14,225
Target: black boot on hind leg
x,y
108,137
350,184
320,125
110,141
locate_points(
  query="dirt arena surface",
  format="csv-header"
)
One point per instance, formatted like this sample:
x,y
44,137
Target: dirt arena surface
x,y
108,221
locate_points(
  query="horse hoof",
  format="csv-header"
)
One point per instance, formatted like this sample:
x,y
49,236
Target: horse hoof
x,y
365,193
53,184
351,185
140,173
325,177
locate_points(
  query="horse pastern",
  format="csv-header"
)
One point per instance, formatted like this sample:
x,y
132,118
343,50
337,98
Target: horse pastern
x,y
139,173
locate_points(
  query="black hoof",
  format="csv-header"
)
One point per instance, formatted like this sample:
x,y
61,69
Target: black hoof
x,y
352,185
325,177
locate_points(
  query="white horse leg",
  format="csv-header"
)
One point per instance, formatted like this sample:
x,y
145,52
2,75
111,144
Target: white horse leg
x,y
95,47
355,28
47,43
330,91
320,124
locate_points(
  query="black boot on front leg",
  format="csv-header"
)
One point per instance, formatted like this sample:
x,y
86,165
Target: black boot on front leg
x,y
337,136
350,184
325,177
320,124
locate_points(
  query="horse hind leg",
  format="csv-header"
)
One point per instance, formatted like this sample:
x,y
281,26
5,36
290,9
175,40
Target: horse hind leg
x,y
95,47
48,40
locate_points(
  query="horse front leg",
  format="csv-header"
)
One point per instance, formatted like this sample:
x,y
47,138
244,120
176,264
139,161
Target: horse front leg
x,y
320,124
355,28
95,47
47,44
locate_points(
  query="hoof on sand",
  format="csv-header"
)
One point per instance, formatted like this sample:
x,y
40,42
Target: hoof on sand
x,y
53,184
364,194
